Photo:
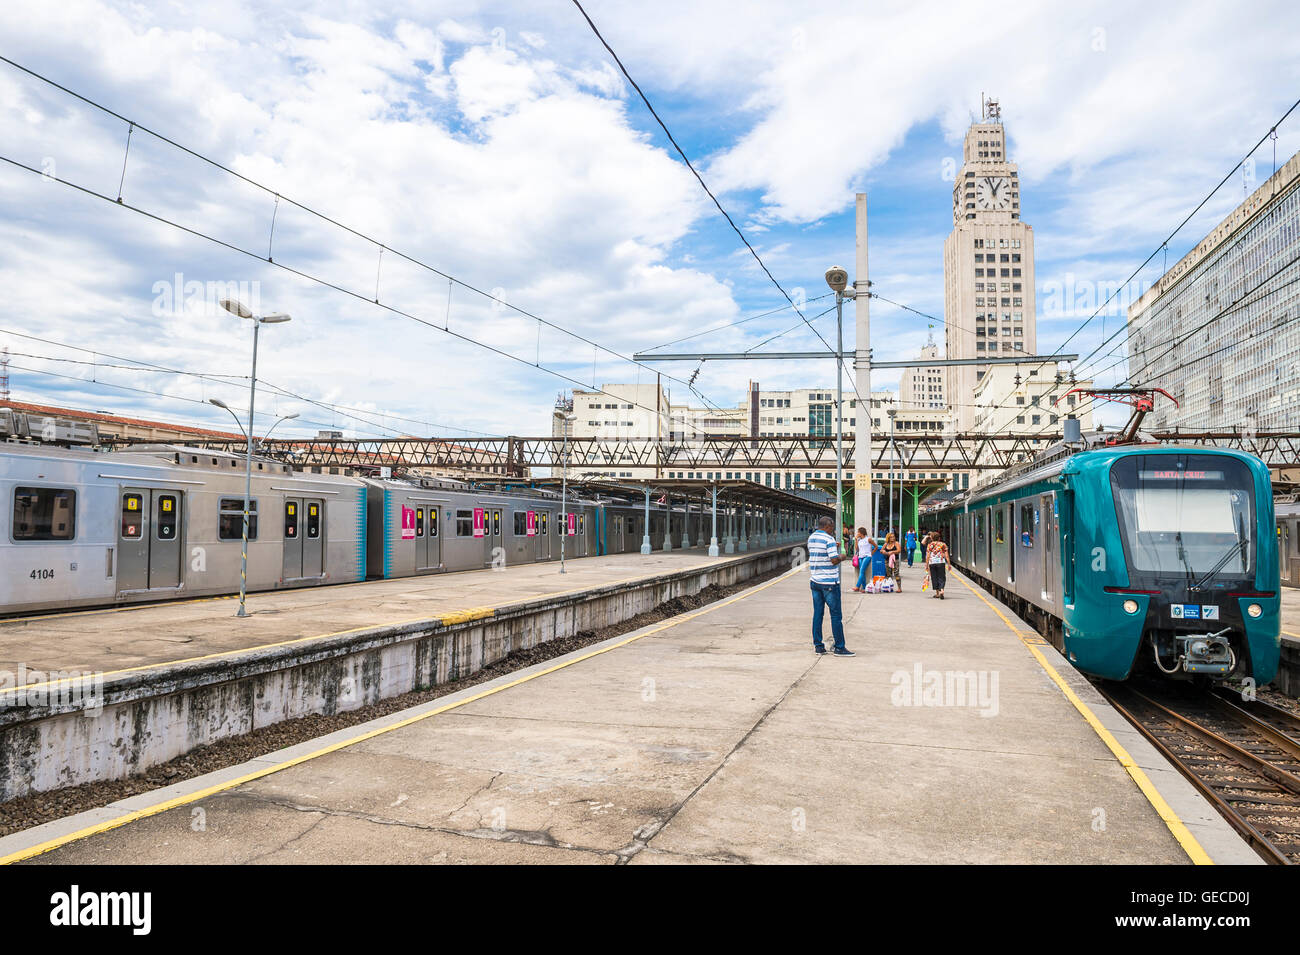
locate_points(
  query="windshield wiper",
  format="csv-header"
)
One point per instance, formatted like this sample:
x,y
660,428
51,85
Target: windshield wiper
x,y
1238,547
1182,555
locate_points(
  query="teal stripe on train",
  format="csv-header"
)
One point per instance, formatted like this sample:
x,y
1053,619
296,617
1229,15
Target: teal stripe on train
x,y
361,535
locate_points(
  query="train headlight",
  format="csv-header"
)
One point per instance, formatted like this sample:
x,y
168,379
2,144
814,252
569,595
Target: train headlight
x,y
1130,606
1254,610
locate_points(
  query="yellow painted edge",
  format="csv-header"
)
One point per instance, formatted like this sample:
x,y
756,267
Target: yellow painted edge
x,y
445,620
135,815
464,616
1290,634
1186,840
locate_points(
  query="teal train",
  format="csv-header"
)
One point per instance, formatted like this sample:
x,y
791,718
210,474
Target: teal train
x,y
1136,559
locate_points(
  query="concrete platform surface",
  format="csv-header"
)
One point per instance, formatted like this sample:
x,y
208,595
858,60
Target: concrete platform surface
x,y
714,737
123,638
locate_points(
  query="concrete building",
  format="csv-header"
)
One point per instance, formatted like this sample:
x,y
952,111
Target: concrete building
x,y
1011,400
923,387
1219,330
989,304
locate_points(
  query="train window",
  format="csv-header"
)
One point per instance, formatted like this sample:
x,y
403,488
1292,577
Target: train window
x,y
290,520
496,523
230,519
521,524
433,522
44,514
1027,525
132,516
165,526
979,528
545,515
999,527
582,523
419,522
313,521
464,523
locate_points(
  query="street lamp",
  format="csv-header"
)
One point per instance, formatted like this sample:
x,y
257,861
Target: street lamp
x,y
567,418
278,421
838,280
240,311
892,412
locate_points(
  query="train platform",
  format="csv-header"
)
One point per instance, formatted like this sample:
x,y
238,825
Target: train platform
x,y
130,638
716,736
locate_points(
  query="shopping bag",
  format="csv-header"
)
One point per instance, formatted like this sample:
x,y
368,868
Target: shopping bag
x,y
925,582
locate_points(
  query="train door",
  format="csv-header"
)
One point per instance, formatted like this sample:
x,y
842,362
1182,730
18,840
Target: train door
x,y
543,535
427,550
292,568
1012,537
1047,535
149,539
491,530
1284,550
580,540
617,535
304,538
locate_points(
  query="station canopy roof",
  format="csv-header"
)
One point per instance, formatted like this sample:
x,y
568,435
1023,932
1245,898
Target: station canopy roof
x,y
699,489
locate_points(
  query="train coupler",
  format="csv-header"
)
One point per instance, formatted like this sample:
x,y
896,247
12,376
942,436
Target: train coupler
x,y
1209,653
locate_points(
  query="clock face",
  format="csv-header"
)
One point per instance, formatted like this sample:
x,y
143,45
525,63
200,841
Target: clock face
x,y
993,192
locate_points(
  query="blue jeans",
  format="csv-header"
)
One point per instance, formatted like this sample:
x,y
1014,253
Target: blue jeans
x,y
864,566
827,595
911,552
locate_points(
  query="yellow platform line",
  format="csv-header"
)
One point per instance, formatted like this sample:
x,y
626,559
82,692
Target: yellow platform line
x,y
138,814
1177,827
455,616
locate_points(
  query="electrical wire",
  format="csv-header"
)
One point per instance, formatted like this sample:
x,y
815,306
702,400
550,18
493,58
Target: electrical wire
x,y
279,197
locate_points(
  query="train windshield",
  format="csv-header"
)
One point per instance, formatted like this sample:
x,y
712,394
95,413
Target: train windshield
x,y
1188,516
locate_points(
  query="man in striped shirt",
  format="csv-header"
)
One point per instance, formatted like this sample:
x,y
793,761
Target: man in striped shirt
x,y
824,578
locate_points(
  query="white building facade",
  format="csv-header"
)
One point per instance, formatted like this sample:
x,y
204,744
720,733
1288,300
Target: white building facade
x,y
1220,331
988,257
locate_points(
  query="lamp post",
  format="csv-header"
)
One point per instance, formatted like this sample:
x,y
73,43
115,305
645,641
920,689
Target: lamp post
x,y
240,311
838,280
892,412
567,418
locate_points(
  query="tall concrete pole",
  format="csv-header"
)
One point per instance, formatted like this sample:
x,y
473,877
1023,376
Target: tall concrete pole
x,y
862,374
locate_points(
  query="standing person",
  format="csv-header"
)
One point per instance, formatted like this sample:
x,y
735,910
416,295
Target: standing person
x,y
864,546
936,559
894,556
910,540
824,580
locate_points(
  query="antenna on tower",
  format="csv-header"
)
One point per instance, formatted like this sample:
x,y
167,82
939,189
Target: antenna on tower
x,y
992,110
4,374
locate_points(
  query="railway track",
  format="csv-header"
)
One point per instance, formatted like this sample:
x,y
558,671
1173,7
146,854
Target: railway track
x,y
1244,756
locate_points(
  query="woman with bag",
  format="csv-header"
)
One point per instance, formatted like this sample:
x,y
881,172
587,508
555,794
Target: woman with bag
x,y
894,555
936,560
862,548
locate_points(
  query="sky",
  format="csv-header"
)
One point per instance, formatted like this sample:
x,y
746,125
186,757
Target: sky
x,y
372,150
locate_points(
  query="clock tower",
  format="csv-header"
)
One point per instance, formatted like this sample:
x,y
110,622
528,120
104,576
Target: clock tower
x,y
988,265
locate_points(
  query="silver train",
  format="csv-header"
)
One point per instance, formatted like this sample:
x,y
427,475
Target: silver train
x,y
152,522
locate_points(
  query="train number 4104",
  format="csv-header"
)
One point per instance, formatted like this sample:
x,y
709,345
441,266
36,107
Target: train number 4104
x,y
42,574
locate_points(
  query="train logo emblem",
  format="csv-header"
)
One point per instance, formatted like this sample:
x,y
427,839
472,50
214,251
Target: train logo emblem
x,y
1194,612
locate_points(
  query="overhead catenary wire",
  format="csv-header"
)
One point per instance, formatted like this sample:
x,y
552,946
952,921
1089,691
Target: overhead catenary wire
x,y
1154,252
334,286
222,379
280,197
709,192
